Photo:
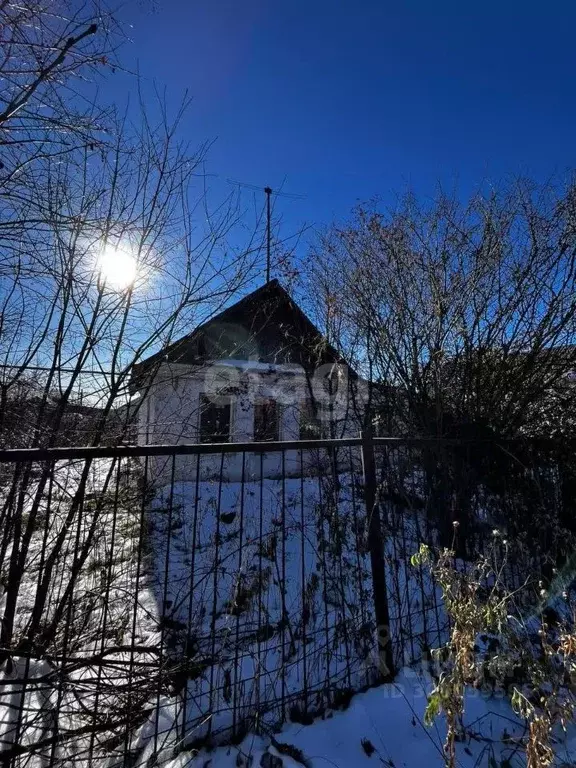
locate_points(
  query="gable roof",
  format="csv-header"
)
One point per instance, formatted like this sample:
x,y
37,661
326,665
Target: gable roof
x,y
266,325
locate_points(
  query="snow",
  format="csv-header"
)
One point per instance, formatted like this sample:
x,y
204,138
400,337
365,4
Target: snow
x,y
268,588
273,602
257,598
250,583
113,603
384,726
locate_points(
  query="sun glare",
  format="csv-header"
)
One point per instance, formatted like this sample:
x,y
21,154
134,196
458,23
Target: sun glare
x,y
117,268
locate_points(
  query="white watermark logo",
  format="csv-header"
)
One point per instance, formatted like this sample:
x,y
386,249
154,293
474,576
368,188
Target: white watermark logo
x,y
328,385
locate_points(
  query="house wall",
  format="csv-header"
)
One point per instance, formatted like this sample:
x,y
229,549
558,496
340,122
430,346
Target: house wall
x,y
171,415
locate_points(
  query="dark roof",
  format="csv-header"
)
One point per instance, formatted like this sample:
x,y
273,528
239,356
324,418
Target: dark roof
x,y
266,325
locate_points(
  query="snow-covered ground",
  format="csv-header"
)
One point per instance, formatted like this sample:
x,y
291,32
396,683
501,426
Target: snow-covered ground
x,y
250,605
99,598
267,589
384,727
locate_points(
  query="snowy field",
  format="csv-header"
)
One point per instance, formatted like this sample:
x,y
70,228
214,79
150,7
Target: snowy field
x,y
203,610
385,727
88,577
267,588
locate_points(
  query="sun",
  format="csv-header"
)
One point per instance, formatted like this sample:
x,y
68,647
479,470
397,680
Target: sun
x,y
117,267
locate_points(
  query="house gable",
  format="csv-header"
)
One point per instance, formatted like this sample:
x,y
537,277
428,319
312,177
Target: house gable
x,y
265,326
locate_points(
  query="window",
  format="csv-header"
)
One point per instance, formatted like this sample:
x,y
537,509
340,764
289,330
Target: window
x,y
266,420
310,423
215,419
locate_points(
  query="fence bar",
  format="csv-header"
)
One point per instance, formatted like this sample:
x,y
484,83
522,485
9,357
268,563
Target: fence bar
x,y
377,562
16,455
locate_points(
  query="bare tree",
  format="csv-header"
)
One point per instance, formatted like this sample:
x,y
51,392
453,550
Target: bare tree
x,y
109,249
463,318
78,181
458,305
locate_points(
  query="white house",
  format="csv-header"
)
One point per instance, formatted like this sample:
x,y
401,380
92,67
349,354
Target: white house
x,y
258,371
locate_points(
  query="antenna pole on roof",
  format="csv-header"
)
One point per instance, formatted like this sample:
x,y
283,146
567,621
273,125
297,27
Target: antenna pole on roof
x,y
268,192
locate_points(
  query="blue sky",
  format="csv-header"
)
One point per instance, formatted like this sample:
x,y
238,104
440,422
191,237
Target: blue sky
x,y
350,100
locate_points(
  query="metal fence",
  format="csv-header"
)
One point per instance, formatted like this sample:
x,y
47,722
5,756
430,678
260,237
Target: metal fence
x,y
175,595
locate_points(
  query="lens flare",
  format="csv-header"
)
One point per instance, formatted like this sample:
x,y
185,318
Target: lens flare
x,y
117,267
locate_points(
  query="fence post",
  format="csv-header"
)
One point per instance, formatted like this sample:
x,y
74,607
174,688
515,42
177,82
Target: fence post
x,y
377,562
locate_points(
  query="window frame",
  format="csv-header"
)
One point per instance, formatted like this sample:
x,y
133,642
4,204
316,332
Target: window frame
x,y
277,435
205,404
313,424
